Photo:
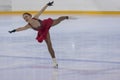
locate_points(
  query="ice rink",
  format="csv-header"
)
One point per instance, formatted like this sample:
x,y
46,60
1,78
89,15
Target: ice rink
x,y
87,48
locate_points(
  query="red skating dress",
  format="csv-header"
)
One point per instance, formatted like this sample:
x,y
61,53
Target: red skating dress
x,y
43,29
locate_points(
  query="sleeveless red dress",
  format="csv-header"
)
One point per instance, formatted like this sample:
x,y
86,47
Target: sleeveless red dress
x,y
43,29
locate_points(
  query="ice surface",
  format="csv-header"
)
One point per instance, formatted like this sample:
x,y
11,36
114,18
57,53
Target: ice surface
x,y
87,48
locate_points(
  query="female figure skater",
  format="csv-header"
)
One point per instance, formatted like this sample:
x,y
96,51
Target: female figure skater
x,y
42,27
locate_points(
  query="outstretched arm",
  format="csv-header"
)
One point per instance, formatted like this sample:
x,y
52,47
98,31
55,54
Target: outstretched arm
x,y
20,29
43,9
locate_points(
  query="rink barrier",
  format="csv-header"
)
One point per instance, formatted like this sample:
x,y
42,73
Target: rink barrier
x,y
64,12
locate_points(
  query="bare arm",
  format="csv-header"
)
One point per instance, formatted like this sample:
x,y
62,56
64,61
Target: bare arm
x,y
43,9
20,28
40,12
23,28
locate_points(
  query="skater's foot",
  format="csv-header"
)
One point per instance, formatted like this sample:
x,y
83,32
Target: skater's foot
x,y
55,66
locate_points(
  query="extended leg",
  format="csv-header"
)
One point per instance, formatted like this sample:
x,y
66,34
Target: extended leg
x,y
57,21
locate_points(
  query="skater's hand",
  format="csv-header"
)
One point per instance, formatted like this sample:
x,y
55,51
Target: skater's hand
x,y
14,30
50,3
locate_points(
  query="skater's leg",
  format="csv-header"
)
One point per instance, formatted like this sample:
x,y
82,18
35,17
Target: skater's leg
x,y
49,45
57,21
51,50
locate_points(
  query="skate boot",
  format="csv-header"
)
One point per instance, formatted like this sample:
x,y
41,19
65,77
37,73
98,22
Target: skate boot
x,y
55,65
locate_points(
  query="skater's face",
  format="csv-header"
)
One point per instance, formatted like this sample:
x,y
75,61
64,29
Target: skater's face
x,y
26,17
